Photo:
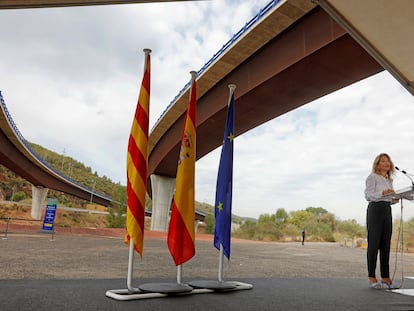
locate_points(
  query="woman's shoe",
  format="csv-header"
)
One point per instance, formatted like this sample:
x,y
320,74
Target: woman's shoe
x,y
387,283
374,284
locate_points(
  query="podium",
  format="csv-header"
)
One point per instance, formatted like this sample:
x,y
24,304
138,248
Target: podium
x,y
407,194
404,193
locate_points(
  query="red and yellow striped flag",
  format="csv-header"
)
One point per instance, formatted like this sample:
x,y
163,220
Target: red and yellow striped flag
x,y
137,164
181,230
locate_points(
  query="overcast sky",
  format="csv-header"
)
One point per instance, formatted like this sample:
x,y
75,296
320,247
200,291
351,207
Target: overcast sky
x,y
71,77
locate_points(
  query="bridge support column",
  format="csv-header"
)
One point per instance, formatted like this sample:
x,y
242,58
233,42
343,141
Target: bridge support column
x,y
39,195
162,194
196,223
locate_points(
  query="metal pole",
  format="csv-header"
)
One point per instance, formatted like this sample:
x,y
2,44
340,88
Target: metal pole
x,y
220,272
130,266
7,229
53,234
131,289
179,270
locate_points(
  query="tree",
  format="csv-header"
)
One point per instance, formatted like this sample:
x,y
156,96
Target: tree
x,y
318,211
246,230
298,218
266,219
351,229
281,215
116,217
210,222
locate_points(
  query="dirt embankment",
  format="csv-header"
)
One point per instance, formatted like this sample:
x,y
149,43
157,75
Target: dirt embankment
x,y
21,214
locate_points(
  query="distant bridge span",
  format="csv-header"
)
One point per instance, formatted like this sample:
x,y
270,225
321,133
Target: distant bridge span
x,y
15,154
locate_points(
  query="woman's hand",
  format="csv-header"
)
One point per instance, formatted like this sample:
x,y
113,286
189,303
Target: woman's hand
x,y
387,191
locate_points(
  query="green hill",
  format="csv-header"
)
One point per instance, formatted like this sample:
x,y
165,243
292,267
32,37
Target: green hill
x,y
15,188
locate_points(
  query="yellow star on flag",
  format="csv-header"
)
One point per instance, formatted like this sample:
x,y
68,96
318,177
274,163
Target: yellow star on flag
x,y
231,137
220,206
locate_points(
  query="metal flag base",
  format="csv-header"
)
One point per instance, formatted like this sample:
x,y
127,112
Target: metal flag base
x,y
159,290
220,285
150,290
165,288
169,290
125,294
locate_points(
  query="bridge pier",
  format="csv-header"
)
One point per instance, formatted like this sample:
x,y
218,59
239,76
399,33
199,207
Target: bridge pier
x,y
196,223
39,195
162,195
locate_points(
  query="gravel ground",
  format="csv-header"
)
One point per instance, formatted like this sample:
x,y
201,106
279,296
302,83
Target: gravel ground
x,y
77,256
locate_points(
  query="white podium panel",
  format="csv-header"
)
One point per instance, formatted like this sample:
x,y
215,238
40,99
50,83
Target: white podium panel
x,y
404,193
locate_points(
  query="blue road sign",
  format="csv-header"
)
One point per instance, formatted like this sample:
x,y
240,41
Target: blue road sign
x,y
50,213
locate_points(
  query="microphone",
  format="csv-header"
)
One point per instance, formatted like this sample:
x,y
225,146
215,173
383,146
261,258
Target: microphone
x,y
406,174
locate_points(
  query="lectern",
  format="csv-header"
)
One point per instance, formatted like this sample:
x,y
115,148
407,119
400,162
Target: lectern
x,y
404,193
407,194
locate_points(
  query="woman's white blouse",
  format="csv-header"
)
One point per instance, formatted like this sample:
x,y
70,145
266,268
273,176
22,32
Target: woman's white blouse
x,y
374,186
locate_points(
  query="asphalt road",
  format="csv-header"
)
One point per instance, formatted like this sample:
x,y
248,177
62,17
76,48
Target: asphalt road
x,y
73,272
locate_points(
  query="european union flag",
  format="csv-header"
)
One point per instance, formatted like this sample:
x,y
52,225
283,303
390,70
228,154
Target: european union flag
x,y
224,188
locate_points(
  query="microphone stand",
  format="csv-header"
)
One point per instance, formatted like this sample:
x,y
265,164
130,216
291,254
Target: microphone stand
x,y
407,175
400,238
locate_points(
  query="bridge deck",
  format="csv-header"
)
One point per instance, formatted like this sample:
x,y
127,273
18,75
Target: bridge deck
x,y
312,57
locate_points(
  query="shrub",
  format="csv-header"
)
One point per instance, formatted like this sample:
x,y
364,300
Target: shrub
x,y
18,196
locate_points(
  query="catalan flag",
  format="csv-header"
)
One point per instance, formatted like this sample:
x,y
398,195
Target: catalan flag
x,y
137,164
181,230
224,189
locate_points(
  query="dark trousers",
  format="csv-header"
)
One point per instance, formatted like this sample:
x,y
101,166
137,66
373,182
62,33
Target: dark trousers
x,y
379,226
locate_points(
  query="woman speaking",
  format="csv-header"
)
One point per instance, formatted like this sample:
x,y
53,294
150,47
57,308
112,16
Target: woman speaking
x,y
379,219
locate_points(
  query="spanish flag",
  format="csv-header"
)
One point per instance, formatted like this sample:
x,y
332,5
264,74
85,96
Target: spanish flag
x,y
137,164
181,230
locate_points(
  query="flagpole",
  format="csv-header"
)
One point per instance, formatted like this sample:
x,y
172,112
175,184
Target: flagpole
x,y
179,270
193,74
232,88
131,240
131,289
223,201
220,272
